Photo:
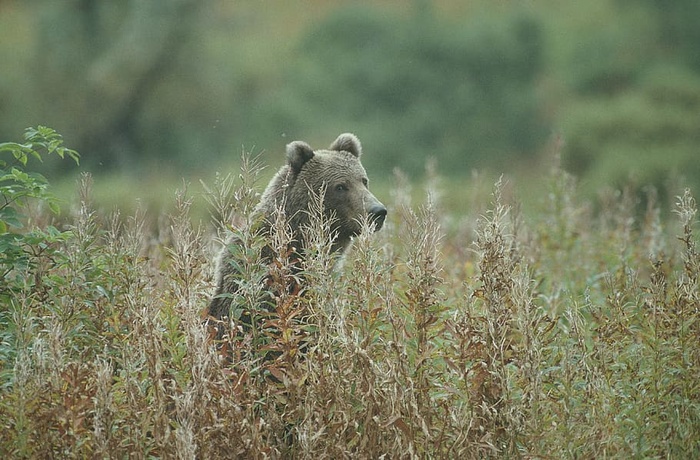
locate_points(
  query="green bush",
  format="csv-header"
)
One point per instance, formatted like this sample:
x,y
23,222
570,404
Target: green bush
x,y
418,86
648,135
28,247
21,189
677,28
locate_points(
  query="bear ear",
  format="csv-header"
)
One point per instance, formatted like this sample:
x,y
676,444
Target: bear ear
x,y
298,153
347,142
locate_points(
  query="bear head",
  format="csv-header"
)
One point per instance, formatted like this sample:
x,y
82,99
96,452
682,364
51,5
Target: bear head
x,y
339,174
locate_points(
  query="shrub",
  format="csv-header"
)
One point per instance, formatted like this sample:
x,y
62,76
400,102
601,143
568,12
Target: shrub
x,y
436,82
646,136
562,333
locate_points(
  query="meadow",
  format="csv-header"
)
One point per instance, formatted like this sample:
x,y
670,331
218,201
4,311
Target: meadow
x,y
569,330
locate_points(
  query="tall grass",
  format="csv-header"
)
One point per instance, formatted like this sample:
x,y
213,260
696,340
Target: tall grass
x,y
571,332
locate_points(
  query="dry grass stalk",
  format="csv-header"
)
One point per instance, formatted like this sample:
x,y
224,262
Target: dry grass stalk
x,y
564,333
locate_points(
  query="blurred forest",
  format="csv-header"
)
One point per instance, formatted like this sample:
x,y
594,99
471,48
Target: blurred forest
x,y
181,86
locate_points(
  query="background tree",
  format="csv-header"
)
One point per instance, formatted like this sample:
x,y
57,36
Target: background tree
x,y
463,91
147,87
634,113
101,60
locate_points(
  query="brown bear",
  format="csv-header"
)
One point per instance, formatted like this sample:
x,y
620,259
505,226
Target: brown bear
x,y
335,174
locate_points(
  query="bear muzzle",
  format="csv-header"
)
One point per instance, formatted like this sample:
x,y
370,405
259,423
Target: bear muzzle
x,y
377,214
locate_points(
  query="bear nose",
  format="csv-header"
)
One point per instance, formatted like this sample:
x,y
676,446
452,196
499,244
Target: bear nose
x,y
377,214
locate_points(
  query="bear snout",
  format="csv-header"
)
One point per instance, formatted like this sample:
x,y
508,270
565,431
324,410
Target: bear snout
x,y
377,214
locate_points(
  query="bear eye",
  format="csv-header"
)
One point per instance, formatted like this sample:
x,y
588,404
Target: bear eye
x,y
365,182
341,188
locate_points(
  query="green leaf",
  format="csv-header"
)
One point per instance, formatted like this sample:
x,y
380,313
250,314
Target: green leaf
x,y
36,155
11,217
30,133
19,175
55,208
12,147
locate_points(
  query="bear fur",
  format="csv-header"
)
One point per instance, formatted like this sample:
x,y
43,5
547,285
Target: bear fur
x,y
336,174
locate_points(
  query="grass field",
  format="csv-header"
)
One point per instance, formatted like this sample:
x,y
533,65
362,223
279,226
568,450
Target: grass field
x,y
567,331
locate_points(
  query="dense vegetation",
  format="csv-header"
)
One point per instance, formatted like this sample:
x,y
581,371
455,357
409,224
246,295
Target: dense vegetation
x,y
569,332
